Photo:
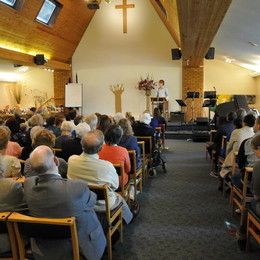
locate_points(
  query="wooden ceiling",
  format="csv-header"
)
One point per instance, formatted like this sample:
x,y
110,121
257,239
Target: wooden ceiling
x,y
192,24
167,10
199,22
20,32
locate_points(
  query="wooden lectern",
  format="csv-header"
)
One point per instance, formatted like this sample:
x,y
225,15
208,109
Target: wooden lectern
x,y
163,104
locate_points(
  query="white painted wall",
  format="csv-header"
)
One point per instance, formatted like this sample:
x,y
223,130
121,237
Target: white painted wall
x,y
106,56
228,78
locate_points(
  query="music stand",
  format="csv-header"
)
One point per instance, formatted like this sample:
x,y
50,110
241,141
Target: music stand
x,y
193,95
209,103
210,94
181,102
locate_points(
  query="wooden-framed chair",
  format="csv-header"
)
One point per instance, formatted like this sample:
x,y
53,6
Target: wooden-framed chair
x,y
124,190
5,227
22,162
141,145
210,142
253,228
57,151
135,174
240,197
148,145
163,128
17,219
114,217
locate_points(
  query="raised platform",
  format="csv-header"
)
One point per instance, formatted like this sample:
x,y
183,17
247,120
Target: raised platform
x,y
179,131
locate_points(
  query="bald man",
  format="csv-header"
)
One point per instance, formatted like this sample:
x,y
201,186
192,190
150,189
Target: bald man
x,y
90,168
49,195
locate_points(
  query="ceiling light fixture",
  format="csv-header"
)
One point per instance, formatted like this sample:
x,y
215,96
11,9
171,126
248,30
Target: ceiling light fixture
x,y
253,44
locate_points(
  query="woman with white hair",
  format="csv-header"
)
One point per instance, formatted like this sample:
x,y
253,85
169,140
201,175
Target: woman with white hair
x,y
92,121
73,146
66,130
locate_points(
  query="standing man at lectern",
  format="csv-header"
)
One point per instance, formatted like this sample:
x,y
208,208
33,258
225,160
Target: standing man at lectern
x,y
162,92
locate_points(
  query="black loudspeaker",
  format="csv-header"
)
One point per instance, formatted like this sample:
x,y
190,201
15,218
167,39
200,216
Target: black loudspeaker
x,y
39,59
210,54
176,54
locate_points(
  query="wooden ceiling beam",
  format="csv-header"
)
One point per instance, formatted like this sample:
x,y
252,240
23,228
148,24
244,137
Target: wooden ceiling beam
x,y
171,19
199,22
27,60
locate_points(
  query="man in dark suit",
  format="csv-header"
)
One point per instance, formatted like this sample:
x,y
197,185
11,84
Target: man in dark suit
x,y
11,199
48,195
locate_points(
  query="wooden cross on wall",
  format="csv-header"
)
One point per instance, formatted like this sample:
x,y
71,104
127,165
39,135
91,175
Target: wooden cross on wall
x,y
124,7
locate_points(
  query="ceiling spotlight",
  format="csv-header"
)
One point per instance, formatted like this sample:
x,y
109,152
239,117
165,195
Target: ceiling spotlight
x,y
253,44
93,4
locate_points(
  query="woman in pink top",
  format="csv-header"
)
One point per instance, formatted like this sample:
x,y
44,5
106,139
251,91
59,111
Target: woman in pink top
x,y
13,148
116,154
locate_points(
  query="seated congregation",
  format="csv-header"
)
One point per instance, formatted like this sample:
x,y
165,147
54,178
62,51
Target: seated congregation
x,y
57,167
234,149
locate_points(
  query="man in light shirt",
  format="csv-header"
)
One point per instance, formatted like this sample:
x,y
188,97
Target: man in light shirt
x,y
162,91
90,168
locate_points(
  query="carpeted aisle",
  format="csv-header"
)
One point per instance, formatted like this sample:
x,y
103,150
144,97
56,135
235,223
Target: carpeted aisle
x,y
182,213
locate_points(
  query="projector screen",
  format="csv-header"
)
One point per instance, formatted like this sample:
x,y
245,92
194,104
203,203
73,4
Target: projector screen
x,y
73,95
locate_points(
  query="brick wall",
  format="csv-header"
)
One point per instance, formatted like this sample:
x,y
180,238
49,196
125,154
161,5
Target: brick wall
x,y
61,78
192,80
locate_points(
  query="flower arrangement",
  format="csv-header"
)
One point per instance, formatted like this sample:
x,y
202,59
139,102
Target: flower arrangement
x,y
146,84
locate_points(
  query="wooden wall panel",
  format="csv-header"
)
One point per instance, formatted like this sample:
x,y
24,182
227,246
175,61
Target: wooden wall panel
x,y
19,30
61,78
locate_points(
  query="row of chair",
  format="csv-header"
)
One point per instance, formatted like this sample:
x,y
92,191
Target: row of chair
x,y
239,198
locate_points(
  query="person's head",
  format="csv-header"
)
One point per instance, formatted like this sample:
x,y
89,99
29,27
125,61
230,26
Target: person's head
x,y
161,83
13,125
43,161
249,120
126,126
59,120
113,135
241,113
222,120
130,117
118,116
78,119
255,143
257,124
4,137
238,123
66,127
231,116
104,123
92,142
43,137
72,114
156,112
145,118
50,121
92,121
81,129
35,120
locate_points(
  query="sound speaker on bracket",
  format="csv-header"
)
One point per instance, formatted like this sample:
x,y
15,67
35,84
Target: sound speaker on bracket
x,y
39,59
210,54
176,54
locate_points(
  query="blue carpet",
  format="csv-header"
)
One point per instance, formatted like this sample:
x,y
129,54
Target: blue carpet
x,y
182,213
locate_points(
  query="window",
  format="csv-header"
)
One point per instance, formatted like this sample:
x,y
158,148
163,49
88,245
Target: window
x,y
48,12
9,2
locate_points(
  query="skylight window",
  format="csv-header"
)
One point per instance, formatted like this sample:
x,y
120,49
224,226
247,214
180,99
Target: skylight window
x,y
48,12
9,2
